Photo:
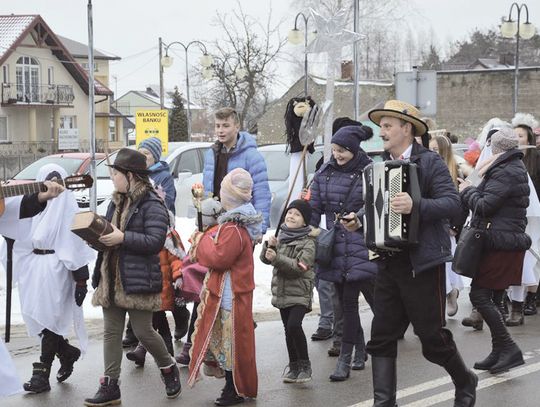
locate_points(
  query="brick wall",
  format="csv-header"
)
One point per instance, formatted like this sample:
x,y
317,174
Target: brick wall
x,y
466,100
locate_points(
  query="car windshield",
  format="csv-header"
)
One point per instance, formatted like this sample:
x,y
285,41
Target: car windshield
x,y
102,171
71,165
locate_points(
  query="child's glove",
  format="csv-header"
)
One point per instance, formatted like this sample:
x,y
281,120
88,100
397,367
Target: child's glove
x,y
80,292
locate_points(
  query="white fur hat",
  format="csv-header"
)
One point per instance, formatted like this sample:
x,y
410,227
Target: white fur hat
x,y
524,119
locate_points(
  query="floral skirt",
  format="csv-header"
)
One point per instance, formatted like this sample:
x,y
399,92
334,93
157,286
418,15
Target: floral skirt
x,y
220,346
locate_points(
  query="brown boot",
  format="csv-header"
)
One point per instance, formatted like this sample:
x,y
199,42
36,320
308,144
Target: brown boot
x,y
474,320
516,315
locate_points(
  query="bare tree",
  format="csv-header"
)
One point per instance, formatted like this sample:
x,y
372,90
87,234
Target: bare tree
x,y
244,64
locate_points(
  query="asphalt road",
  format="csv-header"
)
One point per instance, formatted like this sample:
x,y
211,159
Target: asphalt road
x,y
420,383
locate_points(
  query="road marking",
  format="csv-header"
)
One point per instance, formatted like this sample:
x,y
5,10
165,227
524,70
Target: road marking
x,y
448,395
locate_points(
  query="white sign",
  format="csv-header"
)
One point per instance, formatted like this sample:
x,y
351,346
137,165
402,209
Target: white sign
x,y
68,139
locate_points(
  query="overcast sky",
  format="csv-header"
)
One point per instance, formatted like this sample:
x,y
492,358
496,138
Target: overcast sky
x,y
126,28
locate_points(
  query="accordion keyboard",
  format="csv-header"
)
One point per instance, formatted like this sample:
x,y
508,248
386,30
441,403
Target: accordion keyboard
x,y
395,185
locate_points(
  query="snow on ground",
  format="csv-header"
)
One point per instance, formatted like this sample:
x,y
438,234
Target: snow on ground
x,y
184,226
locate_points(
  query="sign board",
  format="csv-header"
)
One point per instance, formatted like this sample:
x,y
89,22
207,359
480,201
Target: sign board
x,y
419,88
152,123
68,139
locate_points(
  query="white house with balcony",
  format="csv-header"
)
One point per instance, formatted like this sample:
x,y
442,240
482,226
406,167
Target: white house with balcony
x,y
44,88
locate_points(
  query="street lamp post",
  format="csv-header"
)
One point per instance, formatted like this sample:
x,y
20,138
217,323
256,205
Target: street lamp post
x,y
166,61
295,37
511,28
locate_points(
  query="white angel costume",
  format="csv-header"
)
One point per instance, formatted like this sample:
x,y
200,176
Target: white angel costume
x,y
46,285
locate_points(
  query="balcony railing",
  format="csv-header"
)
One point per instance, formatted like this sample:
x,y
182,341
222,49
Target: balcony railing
x,y
38,94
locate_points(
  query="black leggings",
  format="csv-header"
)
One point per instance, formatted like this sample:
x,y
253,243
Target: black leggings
x,y
348,293
192,321
294,334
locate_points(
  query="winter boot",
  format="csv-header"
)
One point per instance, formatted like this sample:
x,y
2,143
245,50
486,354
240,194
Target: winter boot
x,y
474,320
384,381
530,304
171,377
516,316
184,358
39,382
491,359
181,322
465,381
229,396
108,393
67,355
304,373
451,302
292,374
334,350
138,355
130,339
343,367
510,356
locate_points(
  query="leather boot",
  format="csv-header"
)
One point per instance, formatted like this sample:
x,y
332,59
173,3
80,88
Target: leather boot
x,y
181,322
530,304
465,381
509,357
343,367
184,357
474,320
39,382
335,349
138,355
491,359
108,393
516,315
451,302
68,355
501,301
384,381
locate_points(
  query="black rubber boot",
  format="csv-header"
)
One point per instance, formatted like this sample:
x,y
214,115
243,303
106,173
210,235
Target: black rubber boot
x,y
229,396
171,377
516,315
530,304
181,322
39,382
343,367
130,339
137,355
465,381
68,355
384,381
108,394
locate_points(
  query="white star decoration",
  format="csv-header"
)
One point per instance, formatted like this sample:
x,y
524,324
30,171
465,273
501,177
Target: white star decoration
x,y
331,36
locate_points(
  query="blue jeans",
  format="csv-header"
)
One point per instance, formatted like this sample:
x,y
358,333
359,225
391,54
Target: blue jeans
x,y
331,313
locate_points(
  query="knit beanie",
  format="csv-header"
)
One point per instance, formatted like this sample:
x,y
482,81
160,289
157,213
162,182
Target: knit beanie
x,y
342,122
503,140
303,207
349,137
152,144
211,209
236,189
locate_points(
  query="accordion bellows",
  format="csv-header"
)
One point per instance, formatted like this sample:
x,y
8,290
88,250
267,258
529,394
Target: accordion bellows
x,y
385,230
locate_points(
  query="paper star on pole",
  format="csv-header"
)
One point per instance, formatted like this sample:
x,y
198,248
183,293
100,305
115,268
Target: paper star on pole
x,y
331,35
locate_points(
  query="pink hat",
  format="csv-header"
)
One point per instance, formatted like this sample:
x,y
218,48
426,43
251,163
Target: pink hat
x,y
236,189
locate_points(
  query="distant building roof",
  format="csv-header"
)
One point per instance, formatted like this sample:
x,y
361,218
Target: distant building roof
x,y
15,28
80,50
153,96
489,63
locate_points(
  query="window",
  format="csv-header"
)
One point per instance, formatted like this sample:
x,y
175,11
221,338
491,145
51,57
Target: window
x,y
189,162
112,130
85,66
50,75
5,74
27,75
3,129
68,122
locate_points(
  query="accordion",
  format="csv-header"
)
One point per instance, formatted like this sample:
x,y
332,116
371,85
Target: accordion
x,y
385,230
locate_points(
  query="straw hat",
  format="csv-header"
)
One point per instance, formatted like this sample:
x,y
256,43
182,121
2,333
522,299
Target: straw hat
x,y
400,110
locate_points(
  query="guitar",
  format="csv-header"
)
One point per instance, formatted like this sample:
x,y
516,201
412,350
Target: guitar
x,y
73,182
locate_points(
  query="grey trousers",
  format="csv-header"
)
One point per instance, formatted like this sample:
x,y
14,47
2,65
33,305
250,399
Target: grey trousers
x,y
114,319
331,310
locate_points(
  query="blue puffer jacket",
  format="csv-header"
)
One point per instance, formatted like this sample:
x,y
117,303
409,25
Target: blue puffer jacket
x,y
161,175
439,203
245,156
328,193
144,236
